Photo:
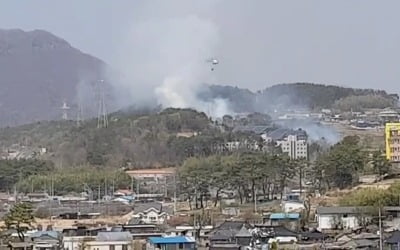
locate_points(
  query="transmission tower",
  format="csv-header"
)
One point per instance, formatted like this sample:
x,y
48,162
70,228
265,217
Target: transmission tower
x,y
79,116
65,109
102,119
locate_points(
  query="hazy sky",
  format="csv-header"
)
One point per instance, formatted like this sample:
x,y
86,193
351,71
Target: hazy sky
x,y
351,43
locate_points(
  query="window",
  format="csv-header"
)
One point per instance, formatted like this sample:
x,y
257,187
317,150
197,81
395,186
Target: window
x,y
112,247
180,245
124,247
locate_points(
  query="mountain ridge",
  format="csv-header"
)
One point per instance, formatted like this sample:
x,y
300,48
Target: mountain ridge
x,y
38,72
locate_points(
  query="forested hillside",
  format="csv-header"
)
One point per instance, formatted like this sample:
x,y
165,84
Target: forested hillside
x,y
301,96
140,140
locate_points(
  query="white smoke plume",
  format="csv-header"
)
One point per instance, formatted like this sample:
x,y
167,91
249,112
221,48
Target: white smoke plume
x,y
164,60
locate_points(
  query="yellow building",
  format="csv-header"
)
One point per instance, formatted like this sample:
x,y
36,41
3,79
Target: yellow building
x,y
392,141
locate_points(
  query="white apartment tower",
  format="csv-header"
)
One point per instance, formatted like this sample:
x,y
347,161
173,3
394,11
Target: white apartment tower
x,y
295,146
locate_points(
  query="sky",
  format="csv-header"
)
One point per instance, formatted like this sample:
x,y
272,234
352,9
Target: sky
x,y
258,42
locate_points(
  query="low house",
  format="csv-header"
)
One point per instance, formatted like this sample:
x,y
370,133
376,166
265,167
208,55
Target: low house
x,y
231,246
37,197
266,234
151,213
290,220
190,231
124,199
243,237
123,192
292,206
47,240
142,231
171,243
360,244
76,242
329,218
110,241
394,240
225,233
20,245
313,236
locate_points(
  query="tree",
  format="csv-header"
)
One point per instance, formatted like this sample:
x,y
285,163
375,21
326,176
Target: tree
x,y
20,218
380,164
339,167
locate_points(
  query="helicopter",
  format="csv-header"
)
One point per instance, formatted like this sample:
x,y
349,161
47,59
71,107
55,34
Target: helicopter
x,y
213,62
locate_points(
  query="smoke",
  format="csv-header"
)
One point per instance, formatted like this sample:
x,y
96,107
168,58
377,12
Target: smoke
x,y
163,60
315,131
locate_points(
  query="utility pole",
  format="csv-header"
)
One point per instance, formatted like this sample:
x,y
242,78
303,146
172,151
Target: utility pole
x,y
51,200
112,188
98,195
380,230
79,115
255,201
105,188
174,194
137,188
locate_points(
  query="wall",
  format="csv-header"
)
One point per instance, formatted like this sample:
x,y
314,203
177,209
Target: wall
x,y
157,219
75,242
292,206
101,245
329,221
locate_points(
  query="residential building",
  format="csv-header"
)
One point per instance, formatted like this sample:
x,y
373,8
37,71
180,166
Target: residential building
x,y
151,212
47,240
292,142
389,115
290,220
340,217
295,147
171,243
110,241
394,240
243,237
225,233
142,231
392,141
292,206
266,234
76,242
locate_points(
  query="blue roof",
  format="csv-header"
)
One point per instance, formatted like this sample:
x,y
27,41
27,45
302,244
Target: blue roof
x,y
170,240
283,216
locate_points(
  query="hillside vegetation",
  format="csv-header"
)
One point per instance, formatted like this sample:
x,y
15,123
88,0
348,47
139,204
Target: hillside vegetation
x,y
139,140
301,95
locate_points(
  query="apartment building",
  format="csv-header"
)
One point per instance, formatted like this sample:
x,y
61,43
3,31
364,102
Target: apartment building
x,y
392,141
295,146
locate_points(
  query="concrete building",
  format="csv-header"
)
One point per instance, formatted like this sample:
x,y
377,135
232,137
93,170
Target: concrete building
x,y
152,212
292,206
340,217
392,141
171,243
292,142
110,241
295,147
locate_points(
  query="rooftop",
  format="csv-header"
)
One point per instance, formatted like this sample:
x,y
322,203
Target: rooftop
x,y
283,216
282,133
171,240
339,210
151,171
141,207
114,236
